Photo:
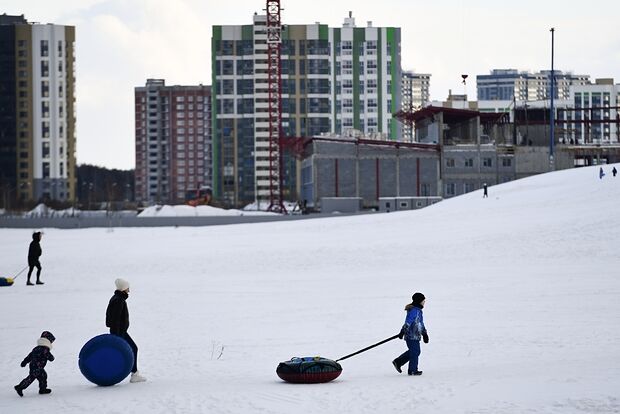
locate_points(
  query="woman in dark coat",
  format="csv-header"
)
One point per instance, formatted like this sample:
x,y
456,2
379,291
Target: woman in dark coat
x,y
117,319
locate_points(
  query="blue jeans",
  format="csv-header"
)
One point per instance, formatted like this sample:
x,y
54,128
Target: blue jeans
x,y
410,356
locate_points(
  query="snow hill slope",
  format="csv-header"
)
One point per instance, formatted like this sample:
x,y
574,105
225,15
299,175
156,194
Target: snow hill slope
x,y
522,310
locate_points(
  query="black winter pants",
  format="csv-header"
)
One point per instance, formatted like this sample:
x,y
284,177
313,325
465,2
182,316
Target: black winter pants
x,y
134,348
32,264
35,374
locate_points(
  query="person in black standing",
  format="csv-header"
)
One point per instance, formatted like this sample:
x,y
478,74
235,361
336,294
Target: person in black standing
x,y
614,171
117,319
34,252
486,191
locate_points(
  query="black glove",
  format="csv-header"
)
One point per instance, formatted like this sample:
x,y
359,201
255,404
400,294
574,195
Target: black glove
x,y
401,334
23,364
425,337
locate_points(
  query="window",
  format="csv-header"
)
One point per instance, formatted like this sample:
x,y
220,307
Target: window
x,y
425,190
44,48
45,68
506,162
45,149
450,189
468,187
487,162
469,162
450,162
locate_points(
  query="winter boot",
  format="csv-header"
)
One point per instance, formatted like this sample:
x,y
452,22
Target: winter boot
x,y
416,373
136,377
397,366
39,282
45,391
29,283
19,391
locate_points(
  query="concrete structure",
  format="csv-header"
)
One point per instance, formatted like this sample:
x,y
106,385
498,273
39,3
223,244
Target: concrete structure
x,y
415,95
506,84
595,119
173,141
37,111
368,169
341,204
387,204
333,80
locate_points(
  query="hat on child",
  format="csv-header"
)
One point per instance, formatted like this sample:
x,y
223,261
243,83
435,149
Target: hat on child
x,y
417,298
48,335
121,284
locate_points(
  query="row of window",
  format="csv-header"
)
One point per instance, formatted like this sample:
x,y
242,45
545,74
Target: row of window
x,y
486,162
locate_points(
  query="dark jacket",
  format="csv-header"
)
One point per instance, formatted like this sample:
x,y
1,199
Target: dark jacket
x,y
34,251
41,353
117,314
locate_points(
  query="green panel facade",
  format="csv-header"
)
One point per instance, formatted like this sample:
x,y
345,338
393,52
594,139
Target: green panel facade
x,y
217,168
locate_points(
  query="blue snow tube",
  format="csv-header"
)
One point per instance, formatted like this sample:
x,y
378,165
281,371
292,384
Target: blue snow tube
x,y
106,360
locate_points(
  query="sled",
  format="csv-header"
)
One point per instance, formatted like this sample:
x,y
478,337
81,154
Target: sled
x,y
313,370
6,281
308,370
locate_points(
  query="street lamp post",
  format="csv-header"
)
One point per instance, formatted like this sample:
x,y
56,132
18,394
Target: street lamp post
x,y
552,117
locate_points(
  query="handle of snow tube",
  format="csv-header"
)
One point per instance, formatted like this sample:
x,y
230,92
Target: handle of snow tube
x,y
369,347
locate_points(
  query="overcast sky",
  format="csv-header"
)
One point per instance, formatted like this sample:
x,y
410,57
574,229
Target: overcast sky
x,y
121,43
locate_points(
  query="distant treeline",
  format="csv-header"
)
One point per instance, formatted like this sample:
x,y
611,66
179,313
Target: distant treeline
x,y
98,184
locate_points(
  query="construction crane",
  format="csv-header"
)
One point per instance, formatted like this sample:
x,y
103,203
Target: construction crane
x,y
274,73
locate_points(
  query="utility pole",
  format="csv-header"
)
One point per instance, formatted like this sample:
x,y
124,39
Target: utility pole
x,y
552,121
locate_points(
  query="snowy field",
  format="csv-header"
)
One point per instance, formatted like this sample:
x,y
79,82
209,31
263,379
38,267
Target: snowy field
x,y
523,308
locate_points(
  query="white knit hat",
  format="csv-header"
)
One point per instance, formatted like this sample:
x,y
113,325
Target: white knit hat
x,y
121,284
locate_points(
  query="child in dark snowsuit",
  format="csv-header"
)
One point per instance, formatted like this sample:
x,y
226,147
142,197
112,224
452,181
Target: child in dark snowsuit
x,y
38,359
412,331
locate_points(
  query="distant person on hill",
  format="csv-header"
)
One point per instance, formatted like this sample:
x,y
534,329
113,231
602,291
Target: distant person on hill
x,y
117,319
601,173
614,171
38,359
412,331
485,190
34,252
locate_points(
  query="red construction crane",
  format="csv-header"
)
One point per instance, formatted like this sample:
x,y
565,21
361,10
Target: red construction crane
x,y
274,73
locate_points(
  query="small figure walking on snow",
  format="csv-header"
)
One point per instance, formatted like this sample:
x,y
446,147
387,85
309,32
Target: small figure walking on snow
x,y
601,173
117,319
614,171
486,191
412,331
34,252
38,359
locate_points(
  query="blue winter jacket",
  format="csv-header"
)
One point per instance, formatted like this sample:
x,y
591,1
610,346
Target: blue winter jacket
x,y
414,323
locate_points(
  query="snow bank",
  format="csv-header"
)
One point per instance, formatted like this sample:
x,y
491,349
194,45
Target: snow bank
x,y
189,211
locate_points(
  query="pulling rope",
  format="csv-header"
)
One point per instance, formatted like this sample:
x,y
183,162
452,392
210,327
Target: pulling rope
x,y
20,272
369,347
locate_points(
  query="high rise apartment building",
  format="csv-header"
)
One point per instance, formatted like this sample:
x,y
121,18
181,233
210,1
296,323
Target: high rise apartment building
x,y
37,110
504,84
333,80
173,141
415,95
595,116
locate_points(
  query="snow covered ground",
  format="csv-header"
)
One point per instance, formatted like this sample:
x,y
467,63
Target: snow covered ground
x,y
522,309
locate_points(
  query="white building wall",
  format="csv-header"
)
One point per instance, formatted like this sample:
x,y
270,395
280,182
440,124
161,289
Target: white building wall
x,y
56,79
